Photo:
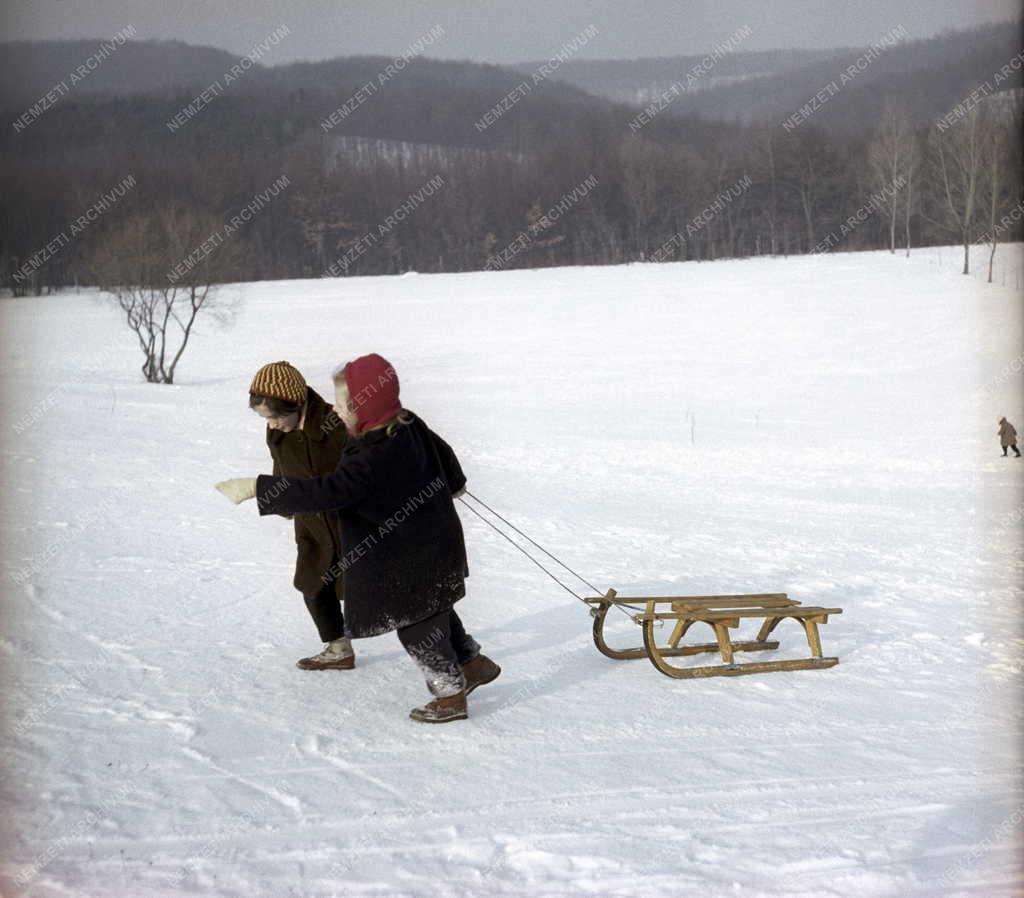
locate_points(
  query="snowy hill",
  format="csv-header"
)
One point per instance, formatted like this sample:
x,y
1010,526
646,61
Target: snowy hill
x,y
823,426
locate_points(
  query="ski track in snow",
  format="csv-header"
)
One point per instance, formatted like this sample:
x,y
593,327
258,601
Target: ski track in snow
x,y
823,426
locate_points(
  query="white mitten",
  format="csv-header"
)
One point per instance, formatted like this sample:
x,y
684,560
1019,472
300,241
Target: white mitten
x,y
239,489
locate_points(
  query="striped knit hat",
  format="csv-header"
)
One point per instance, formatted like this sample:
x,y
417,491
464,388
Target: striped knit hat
x,y
280,380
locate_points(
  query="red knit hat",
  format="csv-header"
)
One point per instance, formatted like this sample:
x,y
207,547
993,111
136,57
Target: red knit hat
x,y
373,386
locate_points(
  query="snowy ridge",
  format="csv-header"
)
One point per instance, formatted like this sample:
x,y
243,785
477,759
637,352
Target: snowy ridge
x,y
370,152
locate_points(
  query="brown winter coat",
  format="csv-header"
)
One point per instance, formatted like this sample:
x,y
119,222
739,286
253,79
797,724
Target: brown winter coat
x,y
1007,434
311,451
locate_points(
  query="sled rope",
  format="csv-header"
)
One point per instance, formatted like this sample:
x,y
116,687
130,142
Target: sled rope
x,y
538,545
504,535
520,548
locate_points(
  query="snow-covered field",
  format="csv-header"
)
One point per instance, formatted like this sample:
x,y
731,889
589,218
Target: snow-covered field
x,y
823,426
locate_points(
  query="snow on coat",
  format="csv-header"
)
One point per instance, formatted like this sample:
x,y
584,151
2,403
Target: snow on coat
x,y
404,553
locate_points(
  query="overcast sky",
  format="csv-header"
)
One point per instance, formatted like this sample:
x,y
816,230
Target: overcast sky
x,y
495,30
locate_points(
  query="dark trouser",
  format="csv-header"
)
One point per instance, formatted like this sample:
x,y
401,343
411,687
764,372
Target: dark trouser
x,y
1013,446
325,609
440,646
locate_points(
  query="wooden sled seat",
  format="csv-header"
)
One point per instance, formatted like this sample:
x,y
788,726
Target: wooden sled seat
x,y
722,614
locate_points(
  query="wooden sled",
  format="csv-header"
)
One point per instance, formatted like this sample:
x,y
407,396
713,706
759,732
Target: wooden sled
x,y
721,613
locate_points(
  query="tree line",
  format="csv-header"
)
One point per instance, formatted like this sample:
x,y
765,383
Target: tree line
x,y
679,188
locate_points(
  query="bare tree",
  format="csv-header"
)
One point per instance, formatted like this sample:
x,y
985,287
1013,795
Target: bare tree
x,y
161,268
809,174
1001,177
643,172
956,159
318,203
765,167
889,161
913,163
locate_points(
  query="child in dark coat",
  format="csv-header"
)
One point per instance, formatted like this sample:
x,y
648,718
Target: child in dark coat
x,y
404,566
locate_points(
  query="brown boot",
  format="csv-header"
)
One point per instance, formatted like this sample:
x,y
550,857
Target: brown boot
x,y
442,710
479,671
337,655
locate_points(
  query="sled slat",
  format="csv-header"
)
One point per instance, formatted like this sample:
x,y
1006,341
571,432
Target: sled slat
x,y
703,601
737,602
726,614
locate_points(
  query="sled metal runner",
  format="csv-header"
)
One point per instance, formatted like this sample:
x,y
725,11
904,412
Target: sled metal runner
x,y
722,614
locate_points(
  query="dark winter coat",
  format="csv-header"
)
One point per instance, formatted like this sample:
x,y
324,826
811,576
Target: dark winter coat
x,y
310,451
405,557
1007,433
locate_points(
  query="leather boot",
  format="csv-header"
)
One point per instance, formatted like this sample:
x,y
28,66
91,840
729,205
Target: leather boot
x,y
442,710
337,655
479,671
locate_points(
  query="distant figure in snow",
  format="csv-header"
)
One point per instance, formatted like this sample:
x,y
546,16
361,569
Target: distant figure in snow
x,y
1008,436
305,439
405,557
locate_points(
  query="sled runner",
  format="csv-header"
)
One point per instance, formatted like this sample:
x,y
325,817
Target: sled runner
x,y
722,614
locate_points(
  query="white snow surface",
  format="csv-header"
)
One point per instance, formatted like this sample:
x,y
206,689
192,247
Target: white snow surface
x,y
823,426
